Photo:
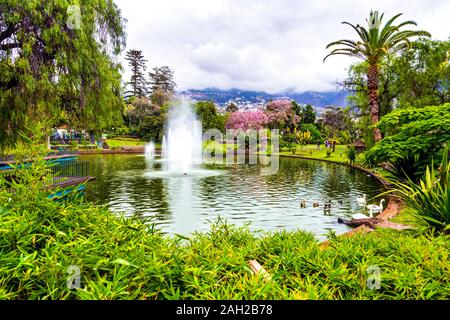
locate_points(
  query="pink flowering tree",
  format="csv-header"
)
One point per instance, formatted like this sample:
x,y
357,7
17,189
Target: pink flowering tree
x,y
245,120
281,115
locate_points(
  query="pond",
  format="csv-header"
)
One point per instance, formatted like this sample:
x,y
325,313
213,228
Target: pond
x,y
184,204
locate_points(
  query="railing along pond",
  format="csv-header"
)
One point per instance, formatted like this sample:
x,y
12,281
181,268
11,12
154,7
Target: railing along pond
x,y
70,173
63,174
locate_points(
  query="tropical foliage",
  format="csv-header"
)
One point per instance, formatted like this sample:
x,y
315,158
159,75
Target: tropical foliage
x,y
430,197
351,154
374,44
412,131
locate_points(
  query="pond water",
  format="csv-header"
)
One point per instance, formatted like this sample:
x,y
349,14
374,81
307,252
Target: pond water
x,y
184,204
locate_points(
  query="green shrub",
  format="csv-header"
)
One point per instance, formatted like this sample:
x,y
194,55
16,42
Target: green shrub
x,y
430,197
73,145
122,131
83,141
410,132
293,147
351,154
409,167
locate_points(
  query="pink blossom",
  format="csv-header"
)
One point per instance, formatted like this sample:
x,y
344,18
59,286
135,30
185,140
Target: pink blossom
x,y
245,120
280,113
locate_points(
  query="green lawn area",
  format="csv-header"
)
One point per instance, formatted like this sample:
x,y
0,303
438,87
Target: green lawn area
x,y
406,216
311,151
125,142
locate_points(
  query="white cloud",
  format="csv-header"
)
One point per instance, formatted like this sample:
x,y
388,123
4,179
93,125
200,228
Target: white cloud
x,y
270,45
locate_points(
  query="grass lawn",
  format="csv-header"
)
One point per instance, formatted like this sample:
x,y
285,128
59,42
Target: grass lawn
x,y
311,151
125,142
406,216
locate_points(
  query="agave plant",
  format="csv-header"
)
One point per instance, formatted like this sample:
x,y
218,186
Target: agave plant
x,y
374,45
351,154
430,197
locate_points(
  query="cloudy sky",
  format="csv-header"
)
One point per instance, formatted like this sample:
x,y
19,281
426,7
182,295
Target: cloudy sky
x,y
268,45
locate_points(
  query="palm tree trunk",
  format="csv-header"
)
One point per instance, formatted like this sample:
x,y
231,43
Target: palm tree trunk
x,y
372,82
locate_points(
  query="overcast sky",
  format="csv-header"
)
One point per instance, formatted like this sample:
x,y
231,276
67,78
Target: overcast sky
x,y
267,45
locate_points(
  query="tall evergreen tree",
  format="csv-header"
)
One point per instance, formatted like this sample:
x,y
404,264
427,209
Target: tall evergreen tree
x,y
308,115
162,79
138,66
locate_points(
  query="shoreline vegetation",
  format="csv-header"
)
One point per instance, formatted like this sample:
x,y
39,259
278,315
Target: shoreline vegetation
x,y
129,258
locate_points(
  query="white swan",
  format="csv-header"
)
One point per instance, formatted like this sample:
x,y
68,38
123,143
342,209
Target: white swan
x,y
361,201
357,216
376,208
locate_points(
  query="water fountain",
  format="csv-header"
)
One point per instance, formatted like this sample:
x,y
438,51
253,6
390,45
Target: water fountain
x,y
183,144
181,149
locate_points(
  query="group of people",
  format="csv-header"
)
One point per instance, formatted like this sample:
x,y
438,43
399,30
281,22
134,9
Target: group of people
x,y
328,144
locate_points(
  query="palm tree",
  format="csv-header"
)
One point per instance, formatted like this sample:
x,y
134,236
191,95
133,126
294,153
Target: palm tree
x,y
374,45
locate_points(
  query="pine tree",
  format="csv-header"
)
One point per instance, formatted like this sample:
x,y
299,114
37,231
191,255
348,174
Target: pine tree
x,y
308,115
138,66
161,79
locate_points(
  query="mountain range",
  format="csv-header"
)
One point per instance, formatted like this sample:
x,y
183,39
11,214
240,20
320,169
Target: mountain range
x,y
248,99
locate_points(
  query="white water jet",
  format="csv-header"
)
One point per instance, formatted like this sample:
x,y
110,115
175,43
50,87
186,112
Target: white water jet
x,y
182,144
150,151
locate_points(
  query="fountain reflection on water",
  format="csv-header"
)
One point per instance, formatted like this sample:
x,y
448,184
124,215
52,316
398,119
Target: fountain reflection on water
x,y
150,152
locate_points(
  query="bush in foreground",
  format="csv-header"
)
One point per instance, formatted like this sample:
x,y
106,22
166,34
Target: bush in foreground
x,y
126,258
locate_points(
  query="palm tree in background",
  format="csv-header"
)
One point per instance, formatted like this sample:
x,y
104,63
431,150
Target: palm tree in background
x,y
374,45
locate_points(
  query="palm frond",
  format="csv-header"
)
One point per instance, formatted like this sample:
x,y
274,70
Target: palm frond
x,y
405,23
406,34
343,42
390,21
377,42
358,30
342,53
